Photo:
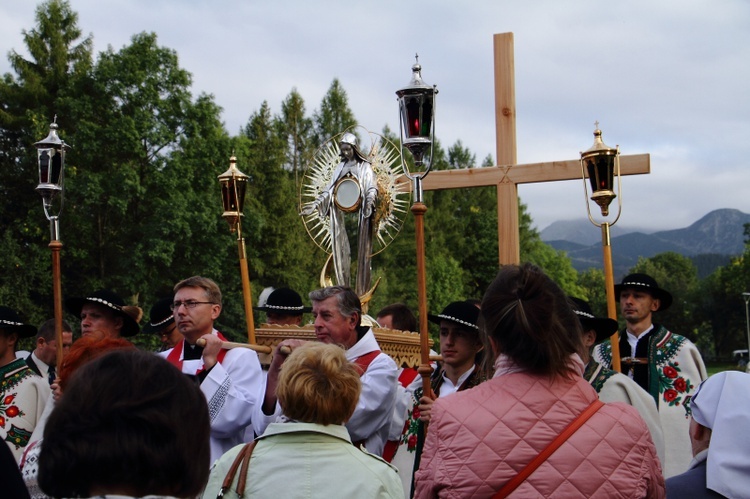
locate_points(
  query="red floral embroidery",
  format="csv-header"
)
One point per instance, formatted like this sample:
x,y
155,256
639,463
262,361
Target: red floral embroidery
x,y
670,372
680,385
412,441
670,395
8,411
415,413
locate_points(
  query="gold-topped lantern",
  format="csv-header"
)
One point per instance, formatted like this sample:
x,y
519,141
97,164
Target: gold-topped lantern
x,y
233,187
601,164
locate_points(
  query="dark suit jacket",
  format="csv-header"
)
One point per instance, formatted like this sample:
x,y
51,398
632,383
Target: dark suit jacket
x,y
690,484
32,365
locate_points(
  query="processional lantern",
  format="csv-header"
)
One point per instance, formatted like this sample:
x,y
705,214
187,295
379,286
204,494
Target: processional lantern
x,y
51,165
601,164
233,186
416,103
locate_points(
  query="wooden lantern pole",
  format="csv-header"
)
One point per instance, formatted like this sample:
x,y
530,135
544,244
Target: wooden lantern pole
x,y
425,368
246,291
609,285
55,246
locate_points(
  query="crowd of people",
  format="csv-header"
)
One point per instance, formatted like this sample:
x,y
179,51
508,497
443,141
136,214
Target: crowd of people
x,y
523,401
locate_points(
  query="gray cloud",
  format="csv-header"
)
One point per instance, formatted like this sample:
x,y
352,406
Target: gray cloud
x,y
666,78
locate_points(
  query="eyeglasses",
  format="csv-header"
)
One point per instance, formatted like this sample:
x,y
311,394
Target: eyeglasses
x,y
189,304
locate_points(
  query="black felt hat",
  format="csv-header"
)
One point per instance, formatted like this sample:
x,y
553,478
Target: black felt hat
x,y
109,299
10,321
646,283
460,312
284,301
160,316
604,327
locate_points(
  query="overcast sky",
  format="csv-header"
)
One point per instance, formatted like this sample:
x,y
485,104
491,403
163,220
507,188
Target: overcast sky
x,y
668,78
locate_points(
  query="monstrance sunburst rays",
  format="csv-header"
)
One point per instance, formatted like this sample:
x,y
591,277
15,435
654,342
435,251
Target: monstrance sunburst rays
x,y
393,198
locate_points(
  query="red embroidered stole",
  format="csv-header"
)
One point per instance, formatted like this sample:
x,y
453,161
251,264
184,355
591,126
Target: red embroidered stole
x,y
175,356
361,364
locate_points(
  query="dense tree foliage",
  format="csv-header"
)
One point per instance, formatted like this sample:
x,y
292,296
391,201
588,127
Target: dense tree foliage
x,y
143,210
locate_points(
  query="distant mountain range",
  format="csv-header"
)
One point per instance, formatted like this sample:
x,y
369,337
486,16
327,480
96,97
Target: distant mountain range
x,y
710,242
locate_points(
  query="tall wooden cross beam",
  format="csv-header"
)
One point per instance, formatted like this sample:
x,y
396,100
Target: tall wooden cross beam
x,y
508,175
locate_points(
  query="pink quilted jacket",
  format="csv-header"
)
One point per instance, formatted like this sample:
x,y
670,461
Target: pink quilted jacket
x,y
481,438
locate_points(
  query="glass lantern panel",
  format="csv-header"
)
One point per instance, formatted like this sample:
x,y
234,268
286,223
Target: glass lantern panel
x,y
228,195
241,186
233,194
43,160
55,172
417,116
50,166
601,172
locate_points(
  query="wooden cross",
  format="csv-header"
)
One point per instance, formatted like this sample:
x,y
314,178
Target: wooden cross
x,y
507,176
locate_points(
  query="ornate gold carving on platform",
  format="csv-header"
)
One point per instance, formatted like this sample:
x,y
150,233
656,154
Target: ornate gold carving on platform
x,y
402,346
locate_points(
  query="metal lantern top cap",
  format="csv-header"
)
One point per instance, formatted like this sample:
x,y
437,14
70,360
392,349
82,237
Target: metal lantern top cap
x,y
417,84
232,172
51,141
599,148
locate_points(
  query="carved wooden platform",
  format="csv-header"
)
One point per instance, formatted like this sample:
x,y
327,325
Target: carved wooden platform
x,y
402,346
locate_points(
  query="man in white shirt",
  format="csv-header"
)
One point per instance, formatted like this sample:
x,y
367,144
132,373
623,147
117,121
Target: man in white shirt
x,y
230,379
337,316
666,365
43,360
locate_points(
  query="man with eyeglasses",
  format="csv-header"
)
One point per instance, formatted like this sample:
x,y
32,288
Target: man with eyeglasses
x,y
161,323
338,320
230,379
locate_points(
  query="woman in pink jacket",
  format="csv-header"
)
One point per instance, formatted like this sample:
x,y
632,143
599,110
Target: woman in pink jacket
x,y
481,440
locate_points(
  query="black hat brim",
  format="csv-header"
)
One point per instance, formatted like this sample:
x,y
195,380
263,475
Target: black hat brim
x,y
148,328
23,331
664,297
604,327
436,319
129,325
305,310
